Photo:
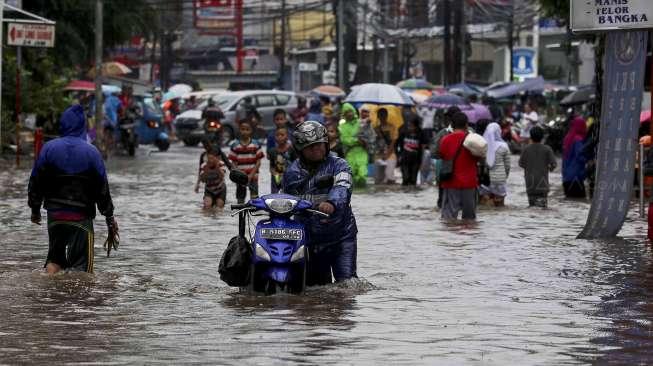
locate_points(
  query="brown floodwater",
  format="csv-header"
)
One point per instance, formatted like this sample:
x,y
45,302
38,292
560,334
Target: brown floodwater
x,y
515,287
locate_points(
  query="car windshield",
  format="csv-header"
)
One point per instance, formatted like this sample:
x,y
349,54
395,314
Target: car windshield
x,y
152,107
221,100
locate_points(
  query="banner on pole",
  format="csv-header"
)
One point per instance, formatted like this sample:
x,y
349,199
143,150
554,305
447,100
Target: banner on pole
x,y
623,84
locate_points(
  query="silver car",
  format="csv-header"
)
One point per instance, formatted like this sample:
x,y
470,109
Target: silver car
x,y
190,126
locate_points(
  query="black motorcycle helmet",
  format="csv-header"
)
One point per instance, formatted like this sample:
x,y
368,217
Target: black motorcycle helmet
x,y
309,133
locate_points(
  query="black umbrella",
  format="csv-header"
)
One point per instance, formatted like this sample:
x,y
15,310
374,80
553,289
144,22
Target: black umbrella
x,y
583,95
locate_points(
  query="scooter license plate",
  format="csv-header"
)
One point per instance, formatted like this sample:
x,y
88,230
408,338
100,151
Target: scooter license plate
x,y
282,234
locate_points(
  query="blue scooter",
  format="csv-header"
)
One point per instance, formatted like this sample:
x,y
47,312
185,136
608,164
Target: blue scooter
x,y
280,247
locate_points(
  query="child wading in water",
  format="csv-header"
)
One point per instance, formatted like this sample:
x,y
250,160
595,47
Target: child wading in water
x,y
537,160
246,155
212,174
334,140
280,157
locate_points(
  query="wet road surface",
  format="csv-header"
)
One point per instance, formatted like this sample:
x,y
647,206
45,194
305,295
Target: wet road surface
x,y
513,288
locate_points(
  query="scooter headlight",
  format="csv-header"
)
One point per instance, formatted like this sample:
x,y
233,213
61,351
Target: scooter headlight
x,y
213,126
281,205
299,254
261,253
152,124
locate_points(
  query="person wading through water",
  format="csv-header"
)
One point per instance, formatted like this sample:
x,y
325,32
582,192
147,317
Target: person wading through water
x,y
70,179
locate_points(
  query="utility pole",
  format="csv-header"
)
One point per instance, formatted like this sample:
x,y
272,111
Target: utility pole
x,y
386,66
341,43
19,57
511,26
2,8
458,41
282,56
239,36
446,76
99,103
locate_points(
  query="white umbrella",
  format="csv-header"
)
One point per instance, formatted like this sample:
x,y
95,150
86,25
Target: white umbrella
x,y
180,89
378,94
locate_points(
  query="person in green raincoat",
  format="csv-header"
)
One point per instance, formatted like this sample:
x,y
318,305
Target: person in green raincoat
x,y
354,147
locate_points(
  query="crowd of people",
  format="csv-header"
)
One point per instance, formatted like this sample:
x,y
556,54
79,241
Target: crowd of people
x,y
469,163
374,145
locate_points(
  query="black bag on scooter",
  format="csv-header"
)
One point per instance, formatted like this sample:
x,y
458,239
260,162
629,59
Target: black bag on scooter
x,y
235,263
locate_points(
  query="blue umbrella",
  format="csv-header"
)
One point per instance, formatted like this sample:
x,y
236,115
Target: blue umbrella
x,y
465,88
534,85
169,96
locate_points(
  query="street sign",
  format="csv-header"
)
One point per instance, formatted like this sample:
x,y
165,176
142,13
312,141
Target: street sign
x,y
30,35
307,66
523,62
597,15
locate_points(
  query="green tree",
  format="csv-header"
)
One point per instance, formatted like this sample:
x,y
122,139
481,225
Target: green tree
x,y
558,9
75,33
46,71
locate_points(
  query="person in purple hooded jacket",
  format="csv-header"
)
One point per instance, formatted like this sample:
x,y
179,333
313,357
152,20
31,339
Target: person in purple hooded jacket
x,y
70,180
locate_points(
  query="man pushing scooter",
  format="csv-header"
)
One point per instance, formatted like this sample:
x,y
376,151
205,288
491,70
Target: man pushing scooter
x,y
333,240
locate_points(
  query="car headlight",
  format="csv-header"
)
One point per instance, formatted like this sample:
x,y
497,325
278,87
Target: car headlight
x,y
262,253
280,205
299,254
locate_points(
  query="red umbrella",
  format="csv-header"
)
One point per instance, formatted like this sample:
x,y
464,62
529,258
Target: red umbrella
x,y
81,85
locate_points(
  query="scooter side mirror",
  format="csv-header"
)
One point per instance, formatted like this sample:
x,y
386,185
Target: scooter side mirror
x,y
238,177
324,182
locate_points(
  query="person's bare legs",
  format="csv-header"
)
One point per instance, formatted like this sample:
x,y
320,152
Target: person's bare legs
x,y
208,202
219,203
52,268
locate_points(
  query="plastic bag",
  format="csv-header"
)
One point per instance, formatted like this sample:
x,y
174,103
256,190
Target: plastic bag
x,y
236,261
476,145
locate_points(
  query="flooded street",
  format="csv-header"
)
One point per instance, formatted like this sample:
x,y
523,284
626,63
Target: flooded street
x,y
514,288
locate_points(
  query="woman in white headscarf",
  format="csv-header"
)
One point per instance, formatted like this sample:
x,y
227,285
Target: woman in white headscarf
x,y
498,163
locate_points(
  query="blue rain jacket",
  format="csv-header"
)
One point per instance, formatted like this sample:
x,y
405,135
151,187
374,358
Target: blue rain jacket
x,y
69,174
341,225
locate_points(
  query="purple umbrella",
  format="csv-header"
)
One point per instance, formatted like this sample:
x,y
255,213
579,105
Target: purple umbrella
x,y
446,100
481,112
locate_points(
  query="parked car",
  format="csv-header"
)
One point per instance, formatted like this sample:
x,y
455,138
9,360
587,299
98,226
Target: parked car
x,y
190,127
200,97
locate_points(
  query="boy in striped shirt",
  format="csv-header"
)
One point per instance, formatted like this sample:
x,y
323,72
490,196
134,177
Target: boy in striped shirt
x,y
246,155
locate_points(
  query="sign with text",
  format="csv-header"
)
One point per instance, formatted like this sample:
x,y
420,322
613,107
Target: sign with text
x,y
217,16
625,58
593,15
30,35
